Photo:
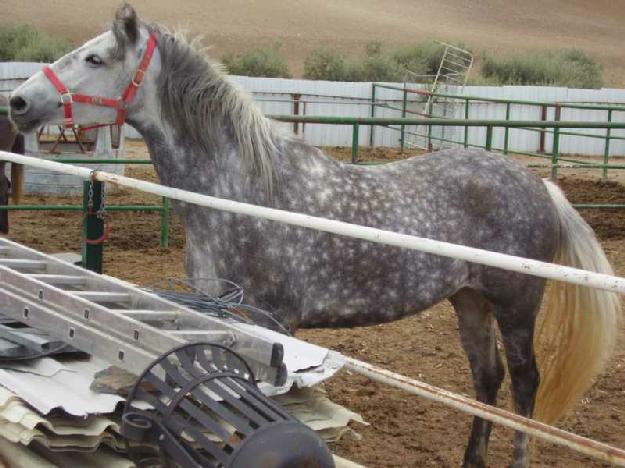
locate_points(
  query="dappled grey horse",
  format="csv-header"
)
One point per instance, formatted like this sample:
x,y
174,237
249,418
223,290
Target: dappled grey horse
x,y
204,135
10,140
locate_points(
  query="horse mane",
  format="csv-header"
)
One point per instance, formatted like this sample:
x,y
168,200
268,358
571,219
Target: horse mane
x,y
200,100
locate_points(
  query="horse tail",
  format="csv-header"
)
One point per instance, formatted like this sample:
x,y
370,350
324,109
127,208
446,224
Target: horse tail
x,y
577,331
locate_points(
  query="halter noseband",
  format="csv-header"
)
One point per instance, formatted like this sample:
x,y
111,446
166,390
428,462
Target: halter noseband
x,y
121,104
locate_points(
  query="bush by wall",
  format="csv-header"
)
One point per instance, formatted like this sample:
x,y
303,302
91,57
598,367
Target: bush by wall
x,y
24,43
268,63
400,64
569,68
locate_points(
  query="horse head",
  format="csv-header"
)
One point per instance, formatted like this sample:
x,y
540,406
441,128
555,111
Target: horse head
x,y
101,82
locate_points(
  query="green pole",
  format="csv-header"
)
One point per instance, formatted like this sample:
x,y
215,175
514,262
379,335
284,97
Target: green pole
x,y
355,137
466,117
165,224
556,144
428,111
606,149
489,138
372,114
506,130
93,226
403,116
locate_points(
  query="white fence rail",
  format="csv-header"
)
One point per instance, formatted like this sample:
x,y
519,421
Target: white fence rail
x,y
353,100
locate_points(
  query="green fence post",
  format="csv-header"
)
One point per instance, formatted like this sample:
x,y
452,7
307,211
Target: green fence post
x,y
402,140
165,224
355,142
506,130
489,138
92,226
606,149
372,114
466,117
556,144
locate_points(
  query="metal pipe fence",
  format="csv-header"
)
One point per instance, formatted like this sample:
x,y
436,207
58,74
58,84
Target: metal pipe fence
x,y
555,160
544,106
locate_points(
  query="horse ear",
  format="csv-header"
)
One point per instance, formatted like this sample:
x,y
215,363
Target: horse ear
x,y
126,25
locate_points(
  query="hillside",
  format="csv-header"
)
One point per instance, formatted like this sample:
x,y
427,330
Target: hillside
x,y
301,25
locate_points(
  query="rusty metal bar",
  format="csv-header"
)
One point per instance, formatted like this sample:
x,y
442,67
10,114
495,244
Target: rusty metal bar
x,y
514,421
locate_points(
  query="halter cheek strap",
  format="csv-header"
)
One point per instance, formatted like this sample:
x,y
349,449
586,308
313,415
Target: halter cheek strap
x,y
121,104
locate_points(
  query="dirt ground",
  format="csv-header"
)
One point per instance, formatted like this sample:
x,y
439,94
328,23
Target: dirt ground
x,y
404,431
493,26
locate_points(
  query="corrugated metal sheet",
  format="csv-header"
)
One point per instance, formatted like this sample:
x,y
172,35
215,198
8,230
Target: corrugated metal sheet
x,y
66,386
11,74
84,421
35,456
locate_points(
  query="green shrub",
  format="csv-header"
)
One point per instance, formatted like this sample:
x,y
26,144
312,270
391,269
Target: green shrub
x,y
377,64
258,62
24,43
569,68
421,59
326,64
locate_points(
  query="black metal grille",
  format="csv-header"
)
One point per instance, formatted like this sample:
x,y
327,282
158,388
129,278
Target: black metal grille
x,y
205,409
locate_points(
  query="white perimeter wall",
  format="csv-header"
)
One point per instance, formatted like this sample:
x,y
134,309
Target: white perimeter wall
x,y
13,73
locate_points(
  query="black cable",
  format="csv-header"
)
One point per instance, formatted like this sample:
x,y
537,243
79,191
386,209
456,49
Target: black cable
x,y
226,305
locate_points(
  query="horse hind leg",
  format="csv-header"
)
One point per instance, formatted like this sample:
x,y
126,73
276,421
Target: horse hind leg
x,y
477,334
517,329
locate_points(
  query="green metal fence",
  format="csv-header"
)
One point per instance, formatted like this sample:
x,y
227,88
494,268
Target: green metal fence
x,y
555,159
544,106
94,225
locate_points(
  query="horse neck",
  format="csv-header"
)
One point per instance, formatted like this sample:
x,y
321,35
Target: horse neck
x,y
183,163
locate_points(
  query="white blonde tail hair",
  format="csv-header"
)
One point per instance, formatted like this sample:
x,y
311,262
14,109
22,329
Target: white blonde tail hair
x,y
577,330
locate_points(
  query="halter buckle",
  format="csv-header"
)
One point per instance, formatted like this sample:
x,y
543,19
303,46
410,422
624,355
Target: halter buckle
x,y
138,78
67,98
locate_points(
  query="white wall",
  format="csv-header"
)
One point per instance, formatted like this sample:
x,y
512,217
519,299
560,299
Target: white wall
x,y
12,73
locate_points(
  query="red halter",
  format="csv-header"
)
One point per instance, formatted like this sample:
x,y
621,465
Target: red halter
x,y
121,104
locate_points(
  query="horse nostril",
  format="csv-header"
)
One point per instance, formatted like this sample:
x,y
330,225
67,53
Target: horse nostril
x,y
18,104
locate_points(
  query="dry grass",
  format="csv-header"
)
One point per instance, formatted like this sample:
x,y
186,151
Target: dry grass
x,y
301,26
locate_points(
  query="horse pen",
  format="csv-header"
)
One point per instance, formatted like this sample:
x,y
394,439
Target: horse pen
x,y
225,209
404,430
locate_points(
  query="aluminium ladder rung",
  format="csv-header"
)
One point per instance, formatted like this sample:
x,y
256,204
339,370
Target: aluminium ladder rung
x,y
149,315
59,280
213,336
23,264
103,296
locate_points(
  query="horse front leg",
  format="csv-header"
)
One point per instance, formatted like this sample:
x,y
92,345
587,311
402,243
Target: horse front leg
x,y
477,334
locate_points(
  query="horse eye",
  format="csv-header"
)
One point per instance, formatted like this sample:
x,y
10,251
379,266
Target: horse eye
x,y
94,60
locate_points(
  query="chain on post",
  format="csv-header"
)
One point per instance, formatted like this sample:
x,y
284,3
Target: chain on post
x,y
90,199
101,214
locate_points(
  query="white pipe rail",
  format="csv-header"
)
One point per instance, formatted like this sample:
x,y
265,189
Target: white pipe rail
x,y
380,236
507,262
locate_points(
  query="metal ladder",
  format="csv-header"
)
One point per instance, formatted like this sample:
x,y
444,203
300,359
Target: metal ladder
x,y
451,77
114,320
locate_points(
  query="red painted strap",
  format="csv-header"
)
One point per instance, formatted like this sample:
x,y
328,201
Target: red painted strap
x,y
66,97
137,80
96,100
103,238
105,235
